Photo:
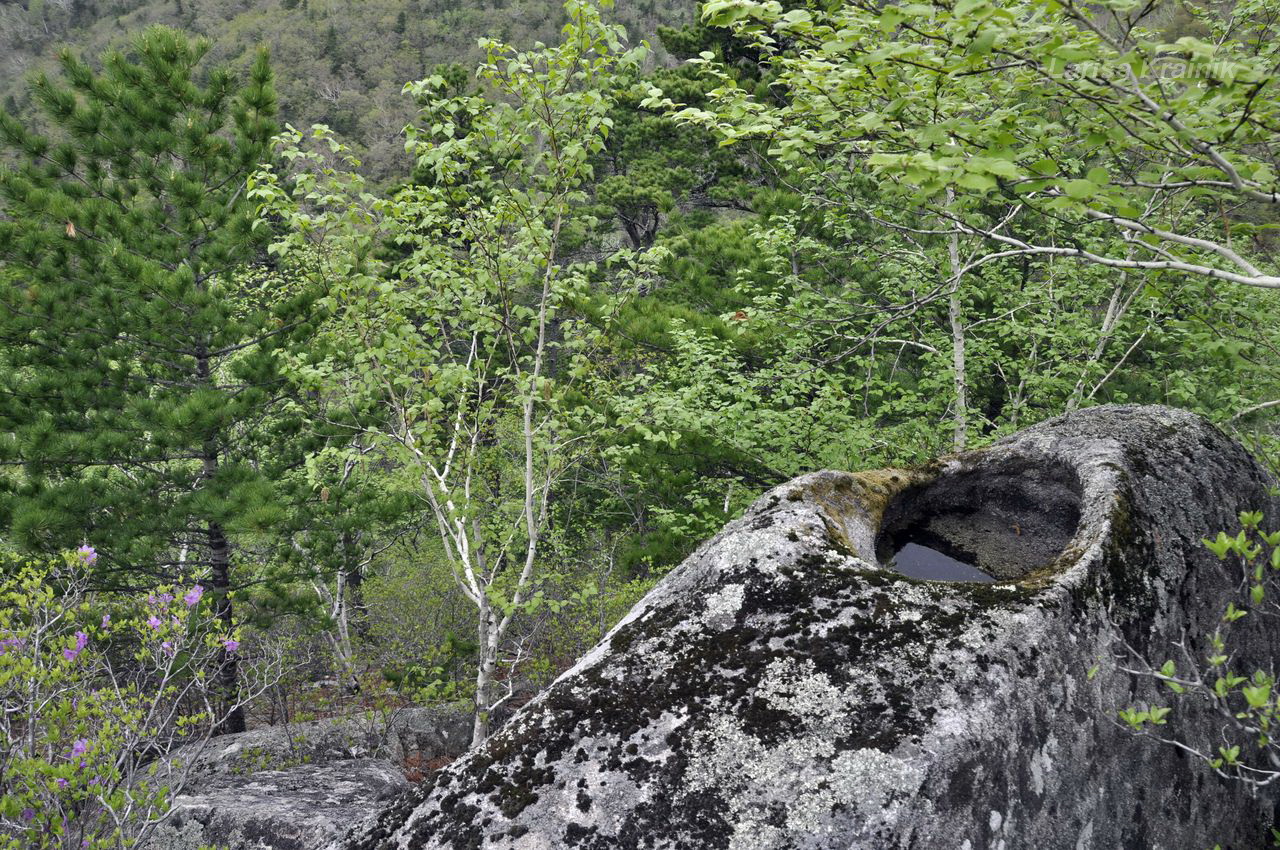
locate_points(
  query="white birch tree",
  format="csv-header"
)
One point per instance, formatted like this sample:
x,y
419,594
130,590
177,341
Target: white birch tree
x,y
455,308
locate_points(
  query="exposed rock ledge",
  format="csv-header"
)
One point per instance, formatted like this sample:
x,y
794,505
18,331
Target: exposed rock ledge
x,y
783,689
297,787
418,734
299,808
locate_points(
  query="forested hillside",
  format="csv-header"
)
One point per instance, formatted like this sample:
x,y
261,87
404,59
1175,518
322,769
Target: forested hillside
x,y
337,62
364,355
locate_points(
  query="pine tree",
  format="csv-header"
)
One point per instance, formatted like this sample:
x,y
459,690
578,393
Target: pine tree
x,y
332,50
140,380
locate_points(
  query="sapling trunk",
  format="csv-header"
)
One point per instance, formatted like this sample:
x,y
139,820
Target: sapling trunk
x,y
955,317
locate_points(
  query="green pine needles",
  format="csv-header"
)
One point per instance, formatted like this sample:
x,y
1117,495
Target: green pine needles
x,y
140,388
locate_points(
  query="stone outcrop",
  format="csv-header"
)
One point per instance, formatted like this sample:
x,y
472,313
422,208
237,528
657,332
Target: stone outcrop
x,y
299,808
297,787
784,688
407,735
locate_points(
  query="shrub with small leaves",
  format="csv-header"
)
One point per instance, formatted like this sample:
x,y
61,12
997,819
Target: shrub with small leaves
x,y
1246,700
96,691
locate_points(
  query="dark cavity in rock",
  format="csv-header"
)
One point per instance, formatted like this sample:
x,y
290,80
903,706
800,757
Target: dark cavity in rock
x,y
917,561
982,525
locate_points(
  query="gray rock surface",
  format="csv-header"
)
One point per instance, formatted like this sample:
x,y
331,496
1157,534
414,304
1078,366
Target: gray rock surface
x,y
300,808
784,689
297,787
420,734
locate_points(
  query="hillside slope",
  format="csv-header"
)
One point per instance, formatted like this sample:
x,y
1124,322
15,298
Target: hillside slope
x,y
339,62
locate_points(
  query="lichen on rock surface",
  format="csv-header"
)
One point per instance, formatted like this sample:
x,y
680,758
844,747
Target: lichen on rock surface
x,y
783,688
737,766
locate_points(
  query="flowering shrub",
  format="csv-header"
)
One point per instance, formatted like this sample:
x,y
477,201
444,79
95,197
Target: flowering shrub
x,y
97,692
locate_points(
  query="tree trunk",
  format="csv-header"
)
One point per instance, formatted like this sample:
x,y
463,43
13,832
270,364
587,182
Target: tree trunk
x,y
960,418
353,577
488,636
1117,306
341,642
227,676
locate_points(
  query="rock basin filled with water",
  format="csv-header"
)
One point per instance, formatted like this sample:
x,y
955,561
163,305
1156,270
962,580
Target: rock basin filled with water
x,y
997,525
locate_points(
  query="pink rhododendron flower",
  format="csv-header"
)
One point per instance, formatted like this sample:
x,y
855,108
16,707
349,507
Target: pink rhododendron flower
x,y
193,595
87,554
153,621
81,640
231,644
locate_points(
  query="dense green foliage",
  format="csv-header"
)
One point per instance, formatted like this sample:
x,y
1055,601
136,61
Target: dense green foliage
x,y
443,414
142,383
449,342
337,62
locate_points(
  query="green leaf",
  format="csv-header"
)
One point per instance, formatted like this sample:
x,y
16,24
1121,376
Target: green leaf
x,y
1219,546
890,17
1080,189
981,45
1257,696
1134,718
977,182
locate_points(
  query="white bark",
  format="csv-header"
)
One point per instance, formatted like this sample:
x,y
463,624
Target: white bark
x,y
955,317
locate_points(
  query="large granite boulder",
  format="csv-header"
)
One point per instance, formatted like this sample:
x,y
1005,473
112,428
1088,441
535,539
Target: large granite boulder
x,y
784,688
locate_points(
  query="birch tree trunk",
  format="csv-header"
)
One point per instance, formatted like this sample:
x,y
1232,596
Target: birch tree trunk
x,y
490,640
955,317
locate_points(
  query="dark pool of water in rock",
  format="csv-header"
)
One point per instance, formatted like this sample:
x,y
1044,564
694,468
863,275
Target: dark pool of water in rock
x,y
996,521
916,561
